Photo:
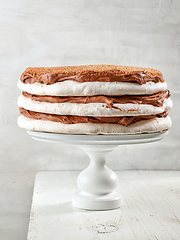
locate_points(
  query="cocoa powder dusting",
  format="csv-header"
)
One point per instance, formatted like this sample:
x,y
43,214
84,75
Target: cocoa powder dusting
x,y
101,73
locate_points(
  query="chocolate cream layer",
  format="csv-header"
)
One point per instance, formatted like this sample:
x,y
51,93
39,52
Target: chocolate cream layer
x,y
140,77
156,99
67,119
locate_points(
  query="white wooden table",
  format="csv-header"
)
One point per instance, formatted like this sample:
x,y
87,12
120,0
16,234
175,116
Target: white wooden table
x,y
151,208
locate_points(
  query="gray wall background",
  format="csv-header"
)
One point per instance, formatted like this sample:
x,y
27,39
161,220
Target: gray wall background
x,y
53,33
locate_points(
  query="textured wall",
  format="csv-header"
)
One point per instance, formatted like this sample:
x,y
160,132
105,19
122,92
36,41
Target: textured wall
x,y
53,33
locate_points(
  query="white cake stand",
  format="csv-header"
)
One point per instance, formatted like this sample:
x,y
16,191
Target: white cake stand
x,y
97,182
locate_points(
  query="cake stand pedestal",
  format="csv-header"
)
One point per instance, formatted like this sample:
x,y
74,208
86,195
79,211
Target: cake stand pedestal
x,y
97,182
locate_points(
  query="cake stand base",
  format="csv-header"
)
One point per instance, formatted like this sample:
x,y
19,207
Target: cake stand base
x,y
92,202
97,182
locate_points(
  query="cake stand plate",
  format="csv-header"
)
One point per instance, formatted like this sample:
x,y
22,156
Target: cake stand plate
x,y
97,182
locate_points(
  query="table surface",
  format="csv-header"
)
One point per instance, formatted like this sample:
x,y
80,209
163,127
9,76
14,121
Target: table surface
x,y
151,208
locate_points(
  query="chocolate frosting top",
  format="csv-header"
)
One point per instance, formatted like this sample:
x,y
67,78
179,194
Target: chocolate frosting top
x,y
67,119
100,73
155,99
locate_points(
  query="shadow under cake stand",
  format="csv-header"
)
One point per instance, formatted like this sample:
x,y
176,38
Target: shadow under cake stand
x,y
97,182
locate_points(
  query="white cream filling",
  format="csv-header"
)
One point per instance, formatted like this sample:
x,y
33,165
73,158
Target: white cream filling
x,y
72,88
145,126
93,109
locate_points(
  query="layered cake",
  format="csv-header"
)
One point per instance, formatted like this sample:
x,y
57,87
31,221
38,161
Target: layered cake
x,y
94,99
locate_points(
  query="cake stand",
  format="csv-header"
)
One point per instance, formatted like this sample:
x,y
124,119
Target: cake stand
x,y
97,182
